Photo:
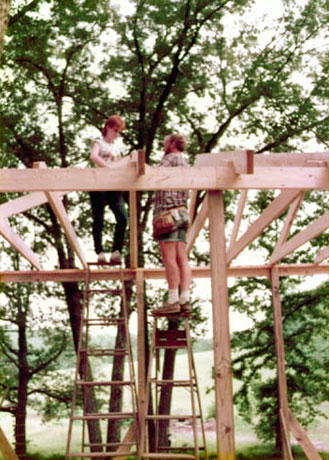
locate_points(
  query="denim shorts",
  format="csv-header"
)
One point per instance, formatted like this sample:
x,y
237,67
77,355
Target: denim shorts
x,y
177,235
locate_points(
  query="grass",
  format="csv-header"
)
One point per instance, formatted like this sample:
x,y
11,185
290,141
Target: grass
x,y
49,440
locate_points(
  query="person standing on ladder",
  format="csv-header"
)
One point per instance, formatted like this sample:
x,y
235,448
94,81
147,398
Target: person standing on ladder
x,y
173,243
104,154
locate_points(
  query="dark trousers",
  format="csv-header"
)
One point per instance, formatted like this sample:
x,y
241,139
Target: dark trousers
x,y
117,205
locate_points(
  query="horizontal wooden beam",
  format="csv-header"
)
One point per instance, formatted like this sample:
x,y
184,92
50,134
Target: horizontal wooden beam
x,y
75,274
161,178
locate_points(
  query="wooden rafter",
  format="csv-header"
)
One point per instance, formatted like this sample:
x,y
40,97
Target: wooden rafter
x,y
272,212
312,231
238,217
197,225
322,255
288,222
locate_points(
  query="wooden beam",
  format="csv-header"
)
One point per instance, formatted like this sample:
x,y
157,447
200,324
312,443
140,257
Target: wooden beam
x,y
18,244
322,255
61,214
285,435
130,436
75,274
161,178
273,211
5,448
288,222
312,231
221,329
238,217
141,344
133,226
197,225
250,161
23,203
279,348
240,158
301,437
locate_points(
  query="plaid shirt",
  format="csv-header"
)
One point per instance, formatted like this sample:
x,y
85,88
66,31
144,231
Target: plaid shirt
x,y
167,199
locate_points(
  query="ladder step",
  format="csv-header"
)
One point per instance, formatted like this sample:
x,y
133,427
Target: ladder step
x,y
175,383
112,416
170,417
104,352
98,454
103,321
169,456
105,291
105,383
109,444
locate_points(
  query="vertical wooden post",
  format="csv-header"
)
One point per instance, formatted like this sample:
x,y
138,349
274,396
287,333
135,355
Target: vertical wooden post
x,y
5,448
221,329
280,356
133,229
141,340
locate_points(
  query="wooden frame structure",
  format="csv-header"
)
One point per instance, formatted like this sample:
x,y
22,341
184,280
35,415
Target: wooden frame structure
x,y
291,174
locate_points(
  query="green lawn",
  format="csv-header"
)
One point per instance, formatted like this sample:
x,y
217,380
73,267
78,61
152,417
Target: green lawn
x,y
50,438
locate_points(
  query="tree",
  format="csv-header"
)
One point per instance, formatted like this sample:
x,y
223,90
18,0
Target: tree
x,y
162,66
26,361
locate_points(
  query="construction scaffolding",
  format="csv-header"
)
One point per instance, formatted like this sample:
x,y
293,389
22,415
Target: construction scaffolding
x,y
290,174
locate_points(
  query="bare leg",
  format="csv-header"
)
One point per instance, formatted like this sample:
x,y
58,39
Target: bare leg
x,y
184,266
169,256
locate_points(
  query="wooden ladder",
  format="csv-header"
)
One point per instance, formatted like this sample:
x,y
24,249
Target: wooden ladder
x,y
90,359
174,340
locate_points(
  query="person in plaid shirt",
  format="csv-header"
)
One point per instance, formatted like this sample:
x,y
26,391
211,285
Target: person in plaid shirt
x,y
173,245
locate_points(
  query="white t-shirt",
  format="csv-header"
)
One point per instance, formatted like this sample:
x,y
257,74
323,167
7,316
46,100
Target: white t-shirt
x,y
108,152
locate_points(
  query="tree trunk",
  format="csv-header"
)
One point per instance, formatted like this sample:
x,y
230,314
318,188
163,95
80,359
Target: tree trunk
x,y
23,379
166,391
116,397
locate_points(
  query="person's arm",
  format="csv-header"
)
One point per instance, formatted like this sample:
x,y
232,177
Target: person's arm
x,y
95,156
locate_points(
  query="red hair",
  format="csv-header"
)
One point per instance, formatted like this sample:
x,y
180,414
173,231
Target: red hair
x,y
114,121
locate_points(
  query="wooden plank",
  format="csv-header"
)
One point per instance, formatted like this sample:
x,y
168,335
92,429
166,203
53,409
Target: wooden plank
x,y
5,448
263,160
75,274
285,434
312,231
221,329
273,211
23,203
322,255
238,217
141,344
18,244
279,348
288,222
161,178
133,226
130,436
301,437
197,225
61,214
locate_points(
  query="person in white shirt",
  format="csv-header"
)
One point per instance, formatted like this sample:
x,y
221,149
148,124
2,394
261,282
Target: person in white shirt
x,y
103,154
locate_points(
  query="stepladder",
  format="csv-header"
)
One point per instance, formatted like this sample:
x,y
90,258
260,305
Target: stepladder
x,y
104,421
168,422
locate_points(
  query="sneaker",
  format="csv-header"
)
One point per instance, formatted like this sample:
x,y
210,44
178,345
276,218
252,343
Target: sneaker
x,y
115,258
167,309
186,308
101,258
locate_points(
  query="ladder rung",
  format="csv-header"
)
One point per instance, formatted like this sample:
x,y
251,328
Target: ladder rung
x,y
170,417
99,454
102,321
104,291
169,456
104,352
109,444
112,416
176,383
105,383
